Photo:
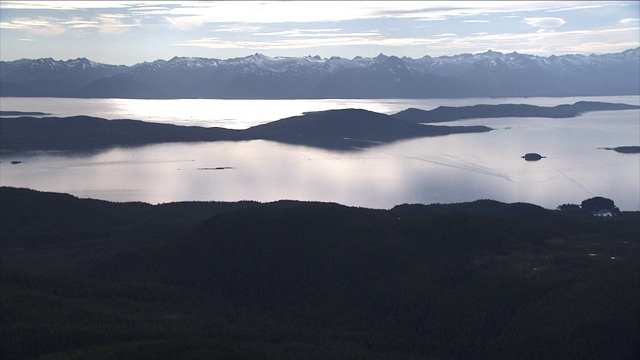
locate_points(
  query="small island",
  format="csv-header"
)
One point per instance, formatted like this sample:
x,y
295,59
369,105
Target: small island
x,y
532,157
216,168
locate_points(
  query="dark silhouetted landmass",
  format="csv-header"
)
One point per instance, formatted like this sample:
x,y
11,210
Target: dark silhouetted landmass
x,y
447,113
348,128
343,129
22,113
84,132
532,156
334,129
89,279
625,149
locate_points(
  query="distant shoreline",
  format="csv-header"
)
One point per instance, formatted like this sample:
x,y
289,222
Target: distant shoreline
x,y
23,113
344,129
625,149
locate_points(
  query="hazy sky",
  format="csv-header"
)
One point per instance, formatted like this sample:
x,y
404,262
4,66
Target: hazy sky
x,y
128,32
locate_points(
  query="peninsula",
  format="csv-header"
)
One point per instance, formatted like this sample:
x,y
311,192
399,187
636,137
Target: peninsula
x,y
447,113
343,129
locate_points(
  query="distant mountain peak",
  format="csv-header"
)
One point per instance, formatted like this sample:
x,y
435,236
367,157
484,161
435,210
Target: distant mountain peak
x,y
83,63
490,73
492,54
381,57
259,56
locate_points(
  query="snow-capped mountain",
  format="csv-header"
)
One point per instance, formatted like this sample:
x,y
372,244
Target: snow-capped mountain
x,y
258,76
49,77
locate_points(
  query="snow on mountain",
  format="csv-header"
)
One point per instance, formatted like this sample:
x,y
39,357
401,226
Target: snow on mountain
x,y
490,73
49,77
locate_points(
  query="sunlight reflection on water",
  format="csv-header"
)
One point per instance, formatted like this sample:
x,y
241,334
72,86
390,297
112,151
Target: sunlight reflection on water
x,y
444,169
241,114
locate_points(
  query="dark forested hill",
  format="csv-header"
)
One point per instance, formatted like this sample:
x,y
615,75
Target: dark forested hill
x,y
343,129
448,113
349,128
483,280
85,132
32,218
335,129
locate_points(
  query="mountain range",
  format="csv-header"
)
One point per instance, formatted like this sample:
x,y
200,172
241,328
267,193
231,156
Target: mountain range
x,y
491,73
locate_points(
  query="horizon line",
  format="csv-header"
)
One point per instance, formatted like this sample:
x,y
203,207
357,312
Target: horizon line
x,y
327,58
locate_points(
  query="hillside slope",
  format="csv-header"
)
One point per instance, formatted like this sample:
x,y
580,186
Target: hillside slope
x,y
481,280
333,129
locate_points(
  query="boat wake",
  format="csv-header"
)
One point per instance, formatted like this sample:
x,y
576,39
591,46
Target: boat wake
x,y
457,163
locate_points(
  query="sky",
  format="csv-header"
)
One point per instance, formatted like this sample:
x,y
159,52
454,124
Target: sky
x,y
130,32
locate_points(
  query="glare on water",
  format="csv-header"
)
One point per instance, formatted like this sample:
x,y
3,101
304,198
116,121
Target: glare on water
x,y
444,169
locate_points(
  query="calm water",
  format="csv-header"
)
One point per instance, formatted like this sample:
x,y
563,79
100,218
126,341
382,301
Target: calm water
x,y
446,169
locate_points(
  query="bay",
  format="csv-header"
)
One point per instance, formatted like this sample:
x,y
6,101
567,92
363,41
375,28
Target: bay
x,y
446,169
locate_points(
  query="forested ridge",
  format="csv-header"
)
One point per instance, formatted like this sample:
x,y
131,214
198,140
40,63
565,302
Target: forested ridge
x,y
84,278
341,129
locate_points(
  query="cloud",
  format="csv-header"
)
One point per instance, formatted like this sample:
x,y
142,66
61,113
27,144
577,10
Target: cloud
x,y
297,39
238,28
105,24
630,21
345,40
545,43
314,33
428,12
265,12
186,15
249,25
300,32
148,11
64,5
9,25
443,10
185,22
113,24
572,8
44,26
545,22
215,43
77,22
250,12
